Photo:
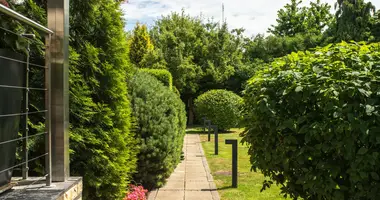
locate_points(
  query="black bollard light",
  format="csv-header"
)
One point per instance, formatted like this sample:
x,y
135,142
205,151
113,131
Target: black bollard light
x,y
209,129
204,124
216,139
234,161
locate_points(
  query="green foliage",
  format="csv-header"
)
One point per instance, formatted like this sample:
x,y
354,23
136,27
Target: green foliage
x,y
16,42
353,20
160,126
176,91
293,19
140,44
270,47
200,55
103,150
178,37
197,53
312,122
376,26
162,75
222,107
153,60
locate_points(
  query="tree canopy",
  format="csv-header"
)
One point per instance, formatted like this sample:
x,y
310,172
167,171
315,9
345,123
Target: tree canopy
x,y
353,20
293,19
140,44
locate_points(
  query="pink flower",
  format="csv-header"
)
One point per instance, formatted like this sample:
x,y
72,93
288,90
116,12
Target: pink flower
x,y
4,2
136,193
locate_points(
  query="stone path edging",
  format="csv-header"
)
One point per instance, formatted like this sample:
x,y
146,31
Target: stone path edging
x,y
214,191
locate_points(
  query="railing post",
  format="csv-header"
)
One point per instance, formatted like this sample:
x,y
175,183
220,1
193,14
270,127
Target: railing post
x,y
234,161
216,139
58,22
25,167
48,163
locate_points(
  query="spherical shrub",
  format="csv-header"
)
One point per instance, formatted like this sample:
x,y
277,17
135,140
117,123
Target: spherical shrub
x,y
222,107
160,125
312,122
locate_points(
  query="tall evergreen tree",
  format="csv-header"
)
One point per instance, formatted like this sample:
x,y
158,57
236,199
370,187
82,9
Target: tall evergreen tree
x,y
140,44
376,26
102,146
353,20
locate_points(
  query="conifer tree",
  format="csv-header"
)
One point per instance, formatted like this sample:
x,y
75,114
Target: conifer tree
x,y
102,146
353,20
140,44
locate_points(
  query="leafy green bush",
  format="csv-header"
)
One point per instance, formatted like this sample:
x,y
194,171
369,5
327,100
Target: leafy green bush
x,y
160,125
162,75
222,107
312,122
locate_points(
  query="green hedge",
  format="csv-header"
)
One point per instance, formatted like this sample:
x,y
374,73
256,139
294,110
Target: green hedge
x,y
312,122
160,125
103,149
222,107
162,75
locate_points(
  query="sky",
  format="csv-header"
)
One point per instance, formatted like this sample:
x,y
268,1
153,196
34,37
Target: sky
x,y
255,16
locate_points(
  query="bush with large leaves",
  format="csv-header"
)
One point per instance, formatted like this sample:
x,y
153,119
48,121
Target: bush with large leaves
x,y
222,107
160,120
312,122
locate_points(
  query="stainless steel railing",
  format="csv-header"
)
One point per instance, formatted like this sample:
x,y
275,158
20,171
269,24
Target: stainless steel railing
x,y
26,93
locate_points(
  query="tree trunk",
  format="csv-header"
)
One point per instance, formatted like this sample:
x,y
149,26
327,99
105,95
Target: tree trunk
x,y
191,111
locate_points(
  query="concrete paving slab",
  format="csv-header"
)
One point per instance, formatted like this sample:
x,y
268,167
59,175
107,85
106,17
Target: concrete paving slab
x,y
170,195
191,179
201,186
198,195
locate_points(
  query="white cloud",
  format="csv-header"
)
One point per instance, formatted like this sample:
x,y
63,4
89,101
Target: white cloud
x,y
255,16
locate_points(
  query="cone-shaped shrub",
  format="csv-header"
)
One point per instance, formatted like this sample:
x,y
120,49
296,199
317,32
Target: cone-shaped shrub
x,y
313,122
160,125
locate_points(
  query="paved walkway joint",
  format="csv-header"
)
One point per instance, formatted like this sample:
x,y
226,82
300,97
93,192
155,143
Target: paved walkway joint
x,y
191,180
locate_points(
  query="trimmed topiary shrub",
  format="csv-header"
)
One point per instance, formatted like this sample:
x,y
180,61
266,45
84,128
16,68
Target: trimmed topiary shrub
x,y
162,75
176,91
312,122
222,107
160,119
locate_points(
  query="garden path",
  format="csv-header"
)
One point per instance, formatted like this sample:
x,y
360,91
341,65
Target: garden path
x,y
191,180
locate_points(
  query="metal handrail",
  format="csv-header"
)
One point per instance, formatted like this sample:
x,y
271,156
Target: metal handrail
x,y
24,19
48,169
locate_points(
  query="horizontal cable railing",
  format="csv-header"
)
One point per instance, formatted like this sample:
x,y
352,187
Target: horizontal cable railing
x,y
22,93
17,16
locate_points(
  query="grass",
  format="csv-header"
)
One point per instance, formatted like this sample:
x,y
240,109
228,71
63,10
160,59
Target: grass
x,y
249,182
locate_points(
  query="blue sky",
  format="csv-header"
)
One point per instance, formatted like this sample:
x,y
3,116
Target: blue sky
x,y
255,16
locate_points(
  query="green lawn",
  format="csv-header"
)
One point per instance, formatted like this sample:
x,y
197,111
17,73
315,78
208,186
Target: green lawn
x,y
249,183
